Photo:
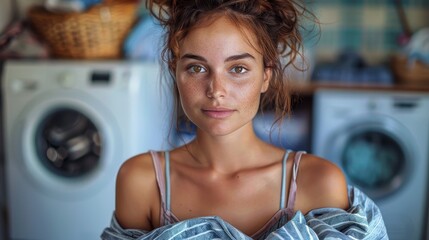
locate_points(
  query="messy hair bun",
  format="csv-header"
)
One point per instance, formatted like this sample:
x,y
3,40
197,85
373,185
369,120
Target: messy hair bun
x,y
277,24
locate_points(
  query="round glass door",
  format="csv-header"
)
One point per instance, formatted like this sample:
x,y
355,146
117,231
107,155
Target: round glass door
x,y
375,161
68,143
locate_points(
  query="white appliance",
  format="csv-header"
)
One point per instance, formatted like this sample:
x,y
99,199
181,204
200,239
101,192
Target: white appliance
x,y
68,127
380,140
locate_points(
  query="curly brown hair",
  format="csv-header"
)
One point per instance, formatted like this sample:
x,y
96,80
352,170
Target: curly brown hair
x,y
276,23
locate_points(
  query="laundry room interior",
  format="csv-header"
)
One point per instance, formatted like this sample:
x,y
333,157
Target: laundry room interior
x,y
82,91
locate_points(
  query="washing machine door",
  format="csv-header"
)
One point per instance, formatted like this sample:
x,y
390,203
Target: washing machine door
x,y
375,154
67,144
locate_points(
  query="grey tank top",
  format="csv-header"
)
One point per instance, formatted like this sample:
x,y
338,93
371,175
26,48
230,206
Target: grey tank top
x,y
280,217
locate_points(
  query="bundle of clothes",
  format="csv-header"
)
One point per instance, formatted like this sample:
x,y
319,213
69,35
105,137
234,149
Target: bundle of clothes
x,y
362,220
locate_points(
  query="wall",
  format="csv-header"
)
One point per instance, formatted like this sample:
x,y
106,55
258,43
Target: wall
x,y
6,16
23,5
2,174
5,13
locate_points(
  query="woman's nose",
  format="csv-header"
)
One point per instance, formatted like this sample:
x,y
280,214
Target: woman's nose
x,y
216,88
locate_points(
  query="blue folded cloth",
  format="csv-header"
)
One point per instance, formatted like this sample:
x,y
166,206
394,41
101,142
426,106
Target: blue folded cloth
x,y
145,40
362,220
70,5
418,47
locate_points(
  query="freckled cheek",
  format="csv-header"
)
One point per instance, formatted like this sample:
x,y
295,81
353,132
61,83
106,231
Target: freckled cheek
x,y
250,96
189,93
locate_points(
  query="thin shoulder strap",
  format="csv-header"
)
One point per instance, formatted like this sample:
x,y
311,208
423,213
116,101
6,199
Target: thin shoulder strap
x,y
283,186
160,179
167,180
293,186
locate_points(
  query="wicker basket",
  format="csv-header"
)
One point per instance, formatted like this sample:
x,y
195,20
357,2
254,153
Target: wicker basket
x,y
97,33
416,73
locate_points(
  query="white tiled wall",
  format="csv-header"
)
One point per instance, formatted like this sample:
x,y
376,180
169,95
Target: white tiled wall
x,y
5,13
2,183
22,6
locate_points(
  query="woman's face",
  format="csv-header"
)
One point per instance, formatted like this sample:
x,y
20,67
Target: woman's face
x,y
220,77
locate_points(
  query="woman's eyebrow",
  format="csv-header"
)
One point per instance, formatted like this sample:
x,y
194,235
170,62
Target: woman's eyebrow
x,y
193,56
228,59
238,57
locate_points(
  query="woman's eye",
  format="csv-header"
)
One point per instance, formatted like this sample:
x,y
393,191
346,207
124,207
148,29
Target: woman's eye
x,y
197,69
239,69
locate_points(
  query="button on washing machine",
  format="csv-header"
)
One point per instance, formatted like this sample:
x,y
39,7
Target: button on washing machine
x,y
66,80
20,85
125,79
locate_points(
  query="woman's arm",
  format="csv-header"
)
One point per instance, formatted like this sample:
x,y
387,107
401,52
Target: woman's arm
x,y
320,184
137,195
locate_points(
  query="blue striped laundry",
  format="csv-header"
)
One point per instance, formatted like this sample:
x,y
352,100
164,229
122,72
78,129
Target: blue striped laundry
x,y
362,220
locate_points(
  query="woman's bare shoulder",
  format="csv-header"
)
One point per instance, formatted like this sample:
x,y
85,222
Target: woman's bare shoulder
x,y
139,166
136,192
322,183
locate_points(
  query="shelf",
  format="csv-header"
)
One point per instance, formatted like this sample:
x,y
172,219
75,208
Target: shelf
x,y
310,88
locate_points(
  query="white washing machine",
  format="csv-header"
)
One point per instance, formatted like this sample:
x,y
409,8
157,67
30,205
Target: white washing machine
x,y
380,140
68,127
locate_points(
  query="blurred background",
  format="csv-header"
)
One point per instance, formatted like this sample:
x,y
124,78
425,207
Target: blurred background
x,y
82,91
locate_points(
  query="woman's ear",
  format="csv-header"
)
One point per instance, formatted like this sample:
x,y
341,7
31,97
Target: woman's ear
x,y
268,72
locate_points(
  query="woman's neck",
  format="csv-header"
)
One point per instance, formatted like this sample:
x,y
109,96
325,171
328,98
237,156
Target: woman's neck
x,y
227,154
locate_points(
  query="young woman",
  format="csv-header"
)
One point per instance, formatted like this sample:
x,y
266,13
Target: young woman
x,y
226,61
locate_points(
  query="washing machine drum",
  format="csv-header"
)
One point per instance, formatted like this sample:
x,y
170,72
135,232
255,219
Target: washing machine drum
x,y
68,143
374,158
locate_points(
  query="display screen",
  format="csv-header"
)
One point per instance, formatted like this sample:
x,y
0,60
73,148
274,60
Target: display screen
x,y
100,77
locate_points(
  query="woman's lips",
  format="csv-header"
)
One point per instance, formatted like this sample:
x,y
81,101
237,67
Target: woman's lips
x,y
218,113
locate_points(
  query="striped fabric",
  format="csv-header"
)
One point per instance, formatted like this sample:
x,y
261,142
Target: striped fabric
x,y
362,221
